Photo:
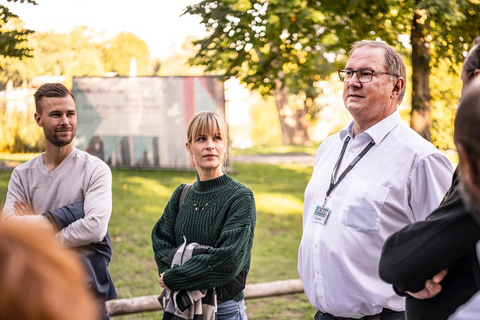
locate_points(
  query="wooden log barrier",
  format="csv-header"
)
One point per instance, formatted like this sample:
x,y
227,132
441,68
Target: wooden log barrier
x,y
252,291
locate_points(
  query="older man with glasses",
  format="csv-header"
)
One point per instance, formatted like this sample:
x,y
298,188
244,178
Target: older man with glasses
x,y
369,180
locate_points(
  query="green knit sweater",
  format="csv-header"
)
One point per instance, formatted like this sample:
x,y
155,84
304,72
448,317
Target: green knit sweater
x,y
219,213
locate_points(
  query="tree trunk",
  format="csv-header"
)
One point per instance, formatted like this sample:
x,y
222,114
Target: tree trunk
x,y
420,114
292,123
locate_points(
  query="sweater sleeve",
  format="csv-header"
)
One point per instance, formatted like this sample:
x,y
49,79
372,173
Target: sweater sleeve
x,y
163,233
66,215
97,208
17,192
230,255
421,250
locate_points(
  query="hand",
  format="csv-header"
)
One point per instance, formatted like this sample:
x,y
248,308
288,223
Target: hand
x,y
23,209
162,284
432,287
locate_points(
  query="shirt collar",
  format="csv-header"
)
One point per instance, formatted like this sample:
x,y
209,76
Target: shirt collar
x,y
378,131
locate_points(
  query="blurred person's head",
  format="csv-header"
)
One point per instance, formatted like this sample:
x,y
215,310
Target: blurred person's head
x,y
40,280
466,135
471,65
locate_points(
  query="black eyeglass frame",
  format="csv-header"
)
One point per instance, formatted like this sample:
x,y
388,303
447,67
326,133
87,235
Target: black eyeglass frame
x,y
343,77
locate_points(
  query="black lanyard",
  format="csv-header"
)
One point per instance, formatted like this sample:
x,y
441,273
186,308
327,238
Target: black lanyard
x,y
348,169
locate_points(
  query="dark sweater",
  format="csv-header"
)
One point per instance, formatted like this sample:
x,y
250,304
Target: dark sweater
x,y
96,256
224,219
419,251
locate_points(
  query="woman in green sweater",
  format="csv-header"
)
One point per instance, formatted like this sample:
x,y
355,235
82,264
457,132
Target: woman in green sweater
x,y
217,211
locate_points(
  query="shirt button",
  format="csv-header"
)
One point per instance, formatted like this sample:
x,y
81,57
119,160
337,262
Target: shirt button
x,y
317,271
320,296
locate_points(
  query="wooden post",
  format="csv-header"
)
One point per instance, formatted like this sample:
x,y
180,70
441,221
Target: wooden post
x,y
150,303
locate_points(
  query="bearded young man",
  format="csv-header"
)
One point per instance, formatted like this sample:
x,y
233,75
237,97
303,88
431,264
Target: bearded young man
x,y
66,189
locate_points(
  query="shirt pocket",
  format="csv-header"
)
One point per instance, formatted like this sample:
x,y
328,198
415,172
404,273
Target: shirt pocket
x,y
362,205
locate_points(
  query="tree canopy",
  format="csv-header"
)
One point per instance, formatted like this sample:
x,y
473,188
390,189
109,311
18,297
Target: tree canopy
x,y
119,51
12,36
272,44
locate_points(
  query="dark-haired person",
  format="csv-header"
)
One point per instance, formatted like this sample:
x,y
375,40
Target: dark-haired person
x,y
466,136
66,189
433,262
371,179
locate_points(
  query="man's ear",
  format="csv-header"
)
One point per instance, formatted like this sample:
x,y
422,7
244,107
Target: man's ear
x,y
476,72
38,119
398,86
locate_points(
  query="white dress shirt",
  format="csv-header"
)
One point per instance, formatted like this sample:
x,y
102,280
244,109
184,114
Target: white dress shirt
x,y
400,180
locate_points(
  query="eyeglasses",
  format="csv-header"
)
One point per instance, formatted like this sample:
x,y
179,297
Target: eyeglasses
x,y
363,75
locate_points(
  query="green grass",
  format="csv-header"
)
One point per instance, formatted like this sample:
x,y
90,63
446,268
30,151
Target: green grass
x,y
13,159
311,149
138,201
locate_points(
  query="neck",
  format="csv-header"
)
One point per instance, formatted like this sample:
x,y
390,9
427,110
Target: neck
x,y
54,155
360,126
205,175
358,129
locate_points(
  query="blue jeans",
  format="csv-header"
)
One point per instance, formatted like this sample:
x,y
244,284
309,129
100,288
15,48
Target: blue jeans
x,y
231,310
385,316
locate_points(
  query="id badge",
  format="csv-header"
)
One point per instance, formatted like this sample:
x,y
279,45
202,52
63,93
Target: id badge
x,y
321,214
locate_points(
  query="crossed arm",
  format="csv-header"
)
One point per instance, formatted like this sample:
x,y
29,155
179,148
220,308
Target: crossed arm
x,y
59,218
415,259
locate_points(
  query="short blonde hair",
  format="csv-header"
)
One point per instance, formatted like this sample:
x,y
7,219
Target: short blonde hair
x,y
206,122
39,279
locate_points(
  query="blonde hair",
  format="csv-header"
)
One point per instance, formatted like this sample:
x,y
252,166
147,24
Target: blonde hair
x,y
206,122
39,279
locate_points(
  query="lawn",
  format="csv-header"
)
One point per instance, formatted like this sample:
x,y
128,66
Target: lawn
x,y
139,197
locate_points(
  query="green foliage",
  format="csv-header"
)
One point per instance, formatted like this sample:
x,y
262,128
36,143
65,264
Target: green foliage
x,y
19,134
119,52
12,36
445,93
265,44
69,55
265,125
295,43
177,63
454,24
78,53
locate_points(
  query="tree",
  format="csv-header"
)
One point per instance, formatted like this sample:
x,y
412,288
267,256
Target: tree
x,y
272,46
285,46
119,51
73,54
437,29
176,64
12,38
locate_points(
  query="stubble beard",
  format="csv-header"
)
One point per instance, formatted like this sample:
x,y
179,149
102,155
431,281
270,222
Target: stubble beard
x,y
52,137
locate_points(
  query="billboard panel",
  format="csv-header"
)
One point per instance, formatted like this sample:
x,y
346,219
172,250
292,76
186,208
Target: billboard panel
x,y
140,122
